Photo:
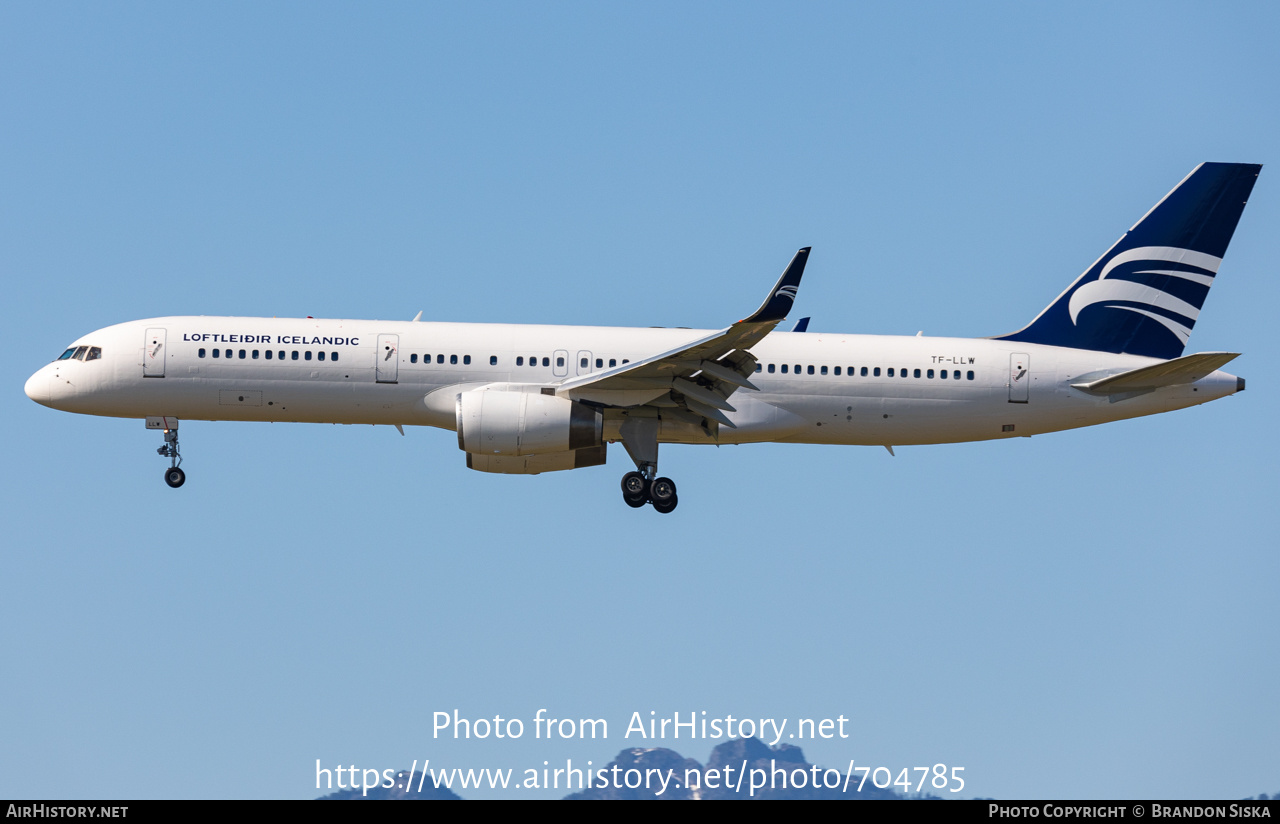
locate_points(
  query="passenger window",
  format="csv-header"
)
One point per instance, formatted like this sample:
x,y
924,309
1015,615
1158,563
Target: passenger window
x,y
759,367
320,355
625,360
918,373
613,362
930,373
823,370
242,354
876,372
956,375
307,355
891,371
413,359
970,375
559,361
216,352
466,360
95,352
797,369
582,364
942,373
810,369
771,369
255,354
864,371
453,360
200,353
838,371
333,356
268,354
546,361
784,369
520,361
439,358
493,360
599,363
295,354
903,372
280,354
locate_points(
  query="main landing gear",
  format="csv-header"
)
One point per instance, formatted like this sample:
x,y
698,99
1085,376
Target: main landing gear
x,y
173,476
637,490
640,438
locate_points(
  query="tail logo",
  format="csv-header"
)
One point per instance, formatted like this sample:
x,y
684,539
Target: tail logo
x,y
1195,267
788,292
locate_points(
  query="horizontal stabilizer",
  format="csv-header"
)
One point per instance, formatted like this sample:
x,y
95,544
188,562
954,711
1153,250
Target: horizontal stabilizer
x,y
1183,370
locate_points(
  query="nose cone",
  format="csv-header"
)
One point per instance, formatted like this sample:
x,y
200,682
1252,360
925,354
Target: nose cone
x,y
37,387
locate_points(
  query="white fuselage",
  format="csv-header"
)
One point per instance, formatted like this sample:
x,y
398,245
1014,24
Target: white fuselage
x,y
836,388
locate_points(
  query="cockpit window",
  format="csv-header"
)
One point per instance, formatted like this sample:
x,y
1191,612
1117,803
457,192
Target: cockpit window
x,y
67,354
80,352
95,352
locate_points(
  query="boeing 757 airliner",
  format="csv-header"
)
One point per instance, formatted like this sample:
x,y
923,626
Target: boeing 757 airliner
x,y
531,399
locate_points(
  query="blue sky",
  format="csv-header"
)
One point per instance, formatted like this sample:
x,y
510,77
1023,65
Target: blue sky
x,y
1084,614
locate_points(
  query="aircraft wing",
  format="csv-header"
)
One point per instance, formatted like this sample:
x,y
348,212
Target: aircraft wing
x,y
700,375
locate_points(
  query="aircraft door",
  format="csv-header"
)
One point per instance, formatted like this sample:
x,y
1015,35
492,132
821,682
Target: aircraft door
x,y
1019,377
560,363
388,355
154,354
584,363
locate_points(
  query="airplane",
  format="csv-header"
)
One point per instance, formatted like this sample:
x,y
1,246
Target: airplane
x,y
527,399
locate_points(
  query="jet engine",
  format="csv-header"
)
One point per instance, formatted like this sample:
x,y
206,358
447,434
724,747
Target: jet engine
x,y
514,432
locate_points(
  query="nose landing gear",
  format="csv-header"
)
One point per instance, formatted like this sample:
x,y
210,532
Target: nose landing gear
x,y
173,476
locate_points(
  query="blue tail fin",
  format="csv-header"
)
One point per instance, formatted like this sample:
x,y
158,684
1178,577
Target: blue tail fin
x,y
1143,296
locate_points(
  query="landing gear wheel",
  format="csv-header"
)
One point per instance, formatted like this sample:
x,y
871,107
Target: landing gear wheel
x,y
661,491
175,477
666,506
635,486
635,503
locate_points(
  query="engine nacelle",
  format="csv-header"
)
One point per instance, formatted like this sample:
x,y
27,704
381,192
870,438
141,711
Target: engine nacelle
x,y
535,464
513,424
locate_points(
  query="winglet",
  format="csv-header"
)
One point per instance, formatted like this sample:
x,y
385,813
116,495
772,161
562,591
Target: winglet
x,y
783,295
802,325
